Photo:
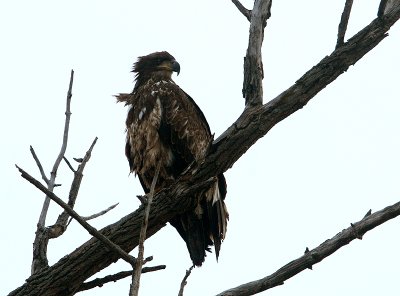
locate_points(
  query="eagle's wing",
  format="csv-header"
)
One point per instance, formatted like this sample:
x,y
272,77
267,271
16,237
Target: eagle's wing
x,y
183,125
165,124
185,128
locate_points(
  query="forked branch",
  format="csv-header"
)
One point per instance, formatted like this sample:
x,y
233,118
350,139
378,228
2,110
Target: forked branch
x,y
59,227
242,9
39,260
343,23
93,231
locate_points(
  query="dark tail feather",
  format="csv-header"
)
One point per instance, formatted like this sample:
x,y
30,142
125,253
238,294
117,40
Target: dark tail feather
x,y
192,230
196,241
206,225
216,221
217,214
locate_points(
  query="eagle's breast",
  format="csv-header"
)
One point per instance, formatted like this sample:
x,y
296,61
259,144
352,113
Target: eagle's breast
x,y
143,132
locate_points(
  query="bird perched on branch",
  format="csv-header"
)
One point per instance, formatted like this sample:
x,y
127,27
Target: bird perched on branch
x,y
165,127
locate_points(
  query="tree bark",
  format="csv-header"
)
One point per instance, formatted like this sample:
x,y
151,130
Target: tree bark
x,y
63,279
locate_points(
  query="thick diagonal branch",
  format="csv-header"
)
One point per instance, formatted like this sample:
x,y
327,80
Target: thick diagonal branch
x,y
253,124
355,231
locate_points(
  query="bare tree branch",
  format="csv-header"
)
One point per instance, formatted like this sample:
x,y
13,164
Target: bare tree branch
x,y
355,231
42,173
93,231
253,124
134,289
184,280
87,218
53,174
62,278
385,6
242,9
343,22
39,260
99,282
69,164
61,224
253,67
381,9
257,121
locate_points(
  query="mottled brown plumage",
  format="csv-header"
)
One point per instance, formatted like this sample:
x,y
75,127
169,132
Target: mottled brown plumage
x,y
164,125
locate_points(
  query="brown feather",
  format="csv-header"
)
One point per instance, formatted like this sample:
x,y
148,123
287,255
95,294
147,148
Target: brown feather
x,y
165,125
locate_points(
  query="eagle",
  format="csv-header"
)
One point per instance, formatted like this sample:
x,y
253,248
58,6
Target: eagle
x,y
166,130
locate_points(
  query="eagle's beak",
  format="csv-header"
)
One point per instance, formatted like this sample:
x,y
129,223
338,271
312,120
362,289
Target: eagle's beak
x,y
176,67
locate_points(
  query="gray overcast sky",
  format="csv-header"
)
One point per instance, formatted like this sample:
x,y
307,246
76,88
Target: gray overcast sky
x,y
308,178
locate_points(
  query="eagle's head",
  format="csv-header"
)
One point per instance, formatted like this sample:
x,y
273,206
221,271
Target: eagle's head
x,y
159,63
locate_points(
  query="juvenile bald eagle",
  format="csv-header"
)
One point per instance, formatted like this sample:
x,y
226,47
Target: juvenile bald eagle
x,y
164,125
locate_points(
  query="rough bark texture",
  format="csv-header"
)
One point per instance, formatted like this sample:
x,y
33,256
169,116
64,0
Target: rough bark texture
x,y
355,231
253,67
67,275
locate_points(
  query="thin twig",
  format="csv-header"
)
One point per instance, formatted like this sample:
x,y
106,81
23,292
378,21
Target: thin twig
x,y
53,173
242,9
99,282
147,259
184,281
134,288
93,231
344,20
69,164
87,218
42,173
74,190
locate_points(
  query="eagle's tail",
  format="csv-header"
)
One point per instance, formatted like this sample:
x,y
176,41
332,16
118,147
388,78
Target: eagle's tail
x,y
206,225
217,214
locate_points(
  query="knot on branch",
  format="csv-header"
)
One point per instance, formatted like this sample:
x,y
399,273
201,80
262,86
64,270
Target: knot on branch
x,y
56,230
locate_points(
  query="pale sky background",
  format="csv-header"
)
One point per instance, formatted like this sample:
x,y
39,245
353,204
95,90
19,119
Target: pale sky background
x,y
307,179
